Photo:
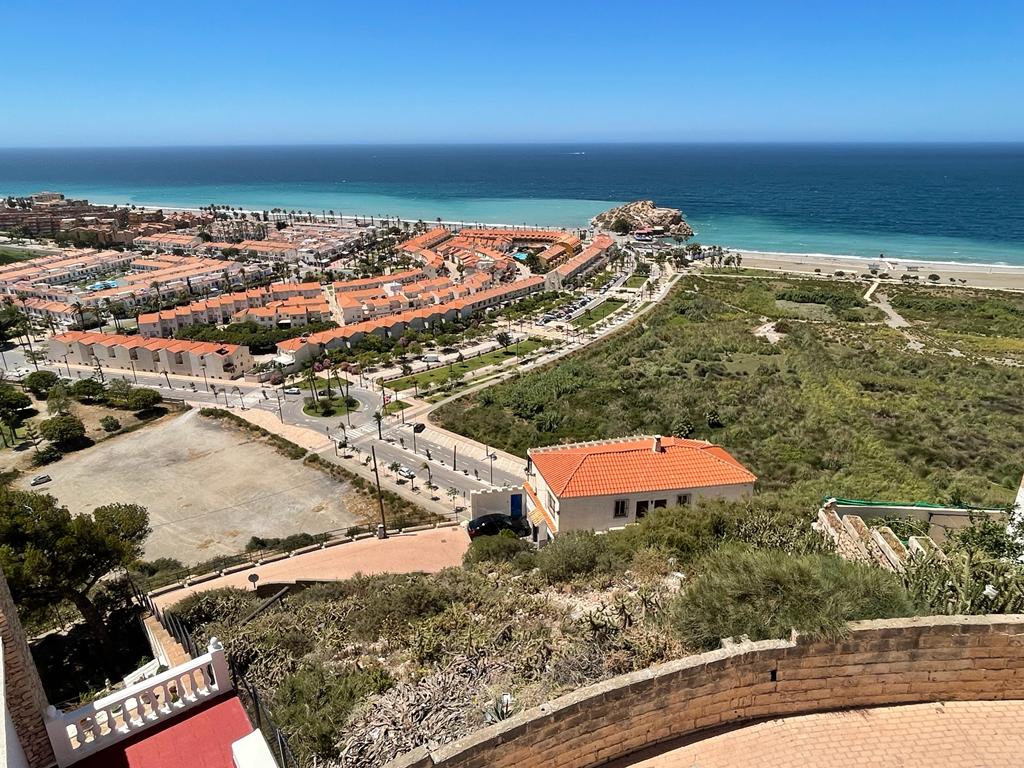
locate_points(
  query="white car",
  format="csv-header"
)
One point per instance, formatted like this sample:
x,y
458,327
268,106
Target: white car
x,y
293,391
405,472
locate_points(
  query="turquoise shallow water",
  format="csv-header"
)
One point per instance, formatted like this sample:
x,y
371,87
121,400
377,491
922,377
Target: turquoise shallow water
x,y
946,203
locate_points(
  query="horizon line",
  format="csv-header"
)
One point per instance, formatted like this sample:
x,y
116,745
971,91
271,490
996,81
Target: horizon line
x,y
546,143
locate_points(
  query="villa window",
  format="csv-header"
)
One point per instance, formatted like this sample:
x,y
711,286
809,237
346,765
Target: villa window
x,y
682,500
660,503
551,501
622,508
641,509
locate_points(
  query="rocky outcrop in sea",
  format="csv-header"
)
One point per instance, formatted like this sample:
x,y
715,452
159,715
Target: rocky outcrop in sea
x,y
643,214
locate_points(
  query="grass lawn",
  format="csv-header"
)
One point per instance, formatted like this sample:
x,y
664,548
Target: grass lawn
x,y
598,313
438,375
636,280
395,406
337,406
10,255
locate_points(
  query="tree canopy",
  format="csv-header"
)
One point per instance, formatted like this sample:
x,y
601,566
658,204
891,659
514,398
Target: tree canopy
x,y
49,555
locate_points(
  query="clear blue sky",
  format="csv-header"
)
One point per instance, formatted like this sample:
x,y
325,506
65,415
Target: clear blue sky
x,y
214,72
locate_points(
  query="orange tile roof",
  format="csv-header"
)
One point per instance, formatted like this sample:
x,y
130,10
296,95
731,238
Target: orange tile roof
x,y
552,525
632,466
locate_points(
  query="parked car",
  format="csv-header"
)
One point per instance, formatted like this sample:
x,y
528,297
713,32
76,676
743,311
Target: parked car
x,y
293,391
40,479
404,471
491,525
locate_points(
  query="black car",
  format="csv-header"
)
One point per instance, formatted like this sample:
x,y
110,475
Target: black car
x,y
491,525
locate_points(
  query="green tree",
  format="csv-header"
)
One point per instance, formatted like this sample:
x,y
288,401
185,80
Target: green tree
x,y
89,389
110,424
379,418
63,431
48,555
40,383
57,401
142,399
11,322
504,338
13,400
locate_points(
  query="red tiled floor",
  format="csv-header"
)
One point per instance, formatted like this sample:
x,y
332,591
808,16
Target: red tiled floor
x,y
962,734
199,738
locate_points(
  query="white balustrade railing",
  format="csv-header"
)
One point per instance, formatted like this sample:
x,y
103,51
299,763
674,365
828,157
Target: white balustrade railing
x,y
96,726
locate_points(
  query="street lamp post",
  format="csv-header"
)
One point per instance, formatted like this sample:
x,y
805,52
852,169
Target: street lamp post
x,y
491,458
66,365
380,496
205,380
130,362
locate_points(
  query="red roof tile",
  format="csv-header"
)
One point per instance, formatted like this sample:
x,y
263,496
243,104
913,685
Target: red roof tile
x,y
632,465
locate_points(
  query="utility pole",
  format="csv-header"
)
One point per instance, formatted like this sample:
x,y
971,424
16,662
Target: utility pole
x,y
380,496
454,449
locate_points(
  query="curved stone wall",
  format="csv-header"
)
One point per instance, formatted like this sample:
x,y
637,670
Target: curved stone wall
x,y
898,661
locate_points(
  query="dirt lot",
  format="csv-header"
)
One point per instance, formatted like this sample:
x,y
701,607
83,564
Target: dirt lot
x,y
208,487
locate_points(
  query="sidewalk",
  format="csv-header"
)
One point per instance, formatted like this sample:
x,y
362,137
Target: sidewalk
x,y
427,551
506,462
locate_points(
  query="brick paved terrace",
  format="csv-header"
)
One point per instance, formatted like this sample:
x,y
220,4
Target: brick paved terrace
x,y
954,734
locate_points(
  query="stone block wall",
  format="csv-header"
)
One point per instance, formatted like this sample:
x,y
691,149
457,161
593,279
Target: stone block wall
x,y
900,661
23,690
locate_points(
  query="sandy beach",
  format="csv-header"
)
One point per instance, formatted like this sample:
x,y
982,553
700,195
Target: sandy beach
x,y
993,276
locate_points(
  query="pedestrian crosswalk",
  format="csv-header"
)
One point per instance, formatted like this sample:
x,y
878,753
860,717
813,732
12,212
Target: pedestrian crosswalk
x,y
360,431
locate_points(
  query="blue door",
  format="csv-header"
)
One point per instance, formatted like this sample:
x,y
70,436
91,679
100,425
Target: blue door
x,y
516,505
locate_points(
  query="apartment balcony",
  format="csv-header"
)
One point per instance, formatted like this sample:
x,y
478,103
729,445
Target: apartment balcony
x,y
187,715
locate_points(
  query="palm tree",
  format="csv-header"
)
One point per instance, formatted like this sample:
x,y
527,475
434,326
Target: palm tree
x,y
311,379
379,418
77,306
430,479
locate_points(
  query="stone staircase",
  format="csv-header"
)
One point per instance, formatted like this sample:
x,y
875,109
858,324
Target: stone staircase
x,y
876,545
165,648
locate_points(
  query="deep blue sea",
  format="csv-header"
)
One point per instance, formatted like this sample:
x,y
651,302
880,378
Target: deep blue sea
x,y
941,202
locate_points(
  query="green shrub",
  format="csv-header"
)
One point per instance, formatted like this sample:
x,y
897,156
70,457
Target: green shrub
x,y
987,536
110,424
573,554
503,548
312,704
766,594
63,431
227,604
46,455
295,541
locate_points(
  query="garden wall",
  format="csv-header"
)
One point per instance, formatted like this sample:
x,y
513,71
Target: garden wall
x,y
897,661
